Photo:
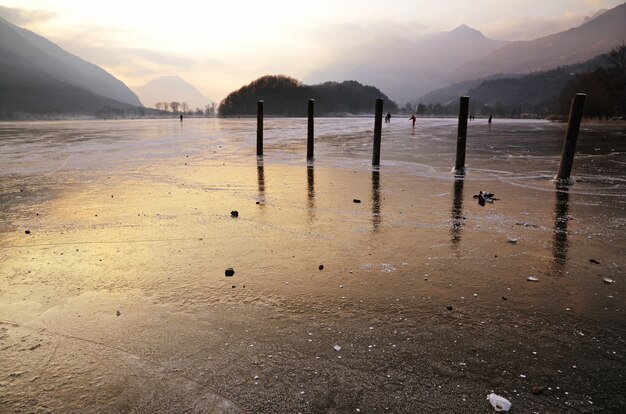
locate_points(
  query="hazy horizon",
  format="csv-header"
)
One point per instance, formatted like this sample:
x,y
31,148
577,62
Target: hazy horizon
x,y
221,47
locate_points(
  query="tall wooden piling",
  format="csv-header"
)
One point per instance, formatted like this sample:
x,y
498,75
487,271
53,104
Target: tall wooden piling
x,y
459,166
309,136
571,137
378,126
259,128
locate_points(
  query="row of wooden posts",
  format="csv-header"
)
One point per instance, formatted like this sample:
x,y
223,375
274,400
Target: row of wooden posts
x,y
567,154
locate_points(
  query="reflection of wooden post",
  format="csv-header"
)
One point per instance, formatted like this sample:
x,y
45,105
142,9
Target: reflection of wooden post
x,y
378,126
309,136
259,128
376,198
573,127
457,208
462,134
310,184
559,249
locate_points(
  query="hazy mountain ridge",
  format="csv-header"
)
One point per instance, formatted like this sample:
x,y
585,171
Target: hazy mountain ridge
x,y
531,88
26,91
38,77
171,88
405,69
598,35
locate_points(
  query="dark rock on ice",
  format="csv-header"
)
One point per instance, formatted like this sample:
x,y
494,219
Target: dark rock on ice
x,y
537,389
229,272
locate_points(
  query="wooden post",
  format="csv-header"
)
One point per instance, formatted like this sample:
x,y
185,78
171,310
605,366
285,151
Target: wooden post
x,y
459,166
571,137
259,128
378,126
309,136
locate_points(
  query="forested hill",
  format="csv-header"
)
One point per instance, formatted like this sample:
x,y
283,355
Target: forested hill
x,y
285,96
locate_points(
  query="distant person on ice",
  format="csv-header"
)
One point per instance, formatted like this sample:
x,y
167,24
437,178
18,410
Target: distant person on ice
x,y
181,117
388,118
412,118
489,121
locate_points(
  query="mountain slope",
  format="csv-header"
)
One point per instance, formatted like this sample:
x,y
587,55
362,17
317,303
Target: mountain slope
x,y
170,88
530,88
596,36
35,51
405,69
29,92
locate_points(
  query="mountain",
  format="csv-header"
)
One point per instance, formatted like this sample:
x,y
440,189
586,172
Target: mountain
x,y
449,93
27,91
516,88
405,69
285,96
540,94
61,65
168,89
533,88
39,79
598,35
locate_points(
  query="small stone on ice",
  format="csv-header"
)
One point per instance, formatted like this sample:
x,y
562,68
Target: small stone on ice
x,y
532,279
608,280
499,403
337,348
321,267
229,272
256,377
118,313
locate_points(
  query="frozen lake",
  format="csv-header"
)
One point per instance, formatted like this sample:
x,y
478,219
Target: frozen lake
x,y
508,149
115,237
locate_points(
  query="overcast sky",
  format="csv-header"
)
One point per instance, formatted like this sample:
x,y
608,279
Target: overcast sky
x,y
220,46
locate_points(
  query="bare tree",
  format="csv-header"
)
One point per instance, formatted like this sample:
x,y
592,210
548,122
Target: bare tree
x,y
166,106
210,109
174,105
617,58
184,107
158,105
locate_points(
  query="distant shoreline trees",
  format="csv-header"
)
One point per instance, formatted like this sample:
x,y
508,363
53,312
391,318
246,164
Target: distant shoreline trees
x,y
286,96
605,88
184,108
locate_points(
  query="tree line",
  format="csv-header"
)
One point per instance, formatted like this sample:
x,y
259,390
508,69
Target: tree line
x,y
605,88
286,96
183,108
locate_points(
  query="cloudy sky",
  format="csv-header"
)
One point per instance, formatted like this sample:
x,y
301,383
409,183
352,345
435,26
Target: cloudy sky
x,y
220,46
